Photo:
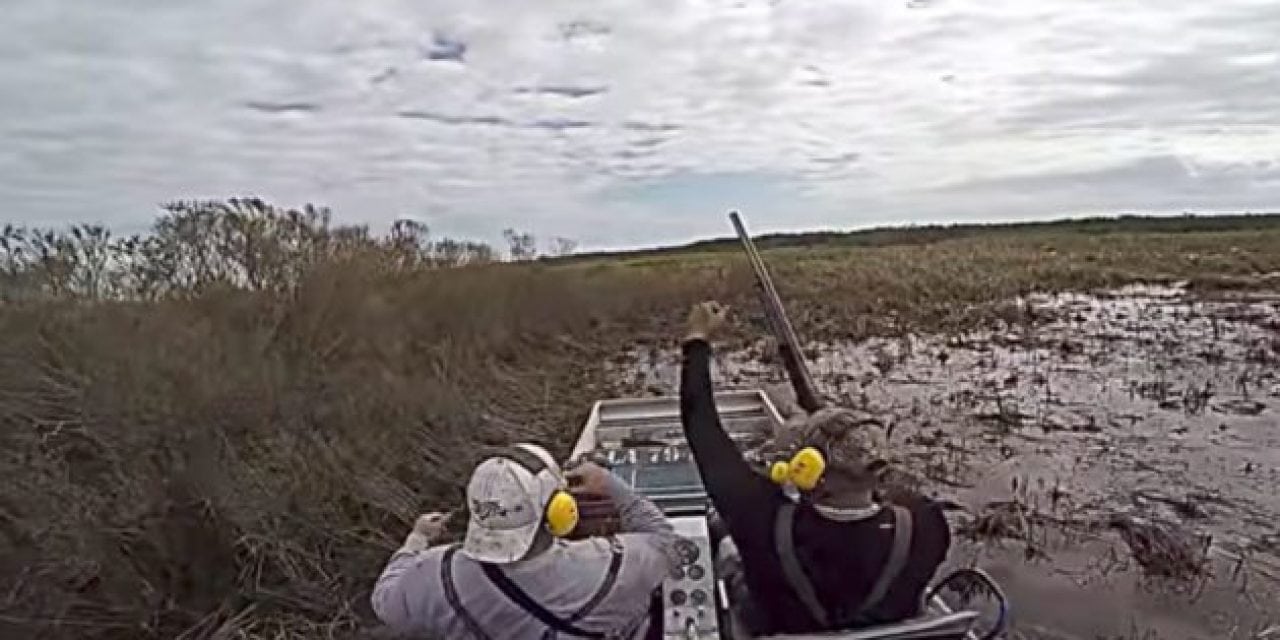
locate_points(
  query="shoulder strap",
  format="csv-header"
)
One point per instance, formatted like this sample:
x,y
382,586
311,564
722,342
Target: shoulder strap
x,y
451,594
610,578
784,542
902,531
533,608
606,586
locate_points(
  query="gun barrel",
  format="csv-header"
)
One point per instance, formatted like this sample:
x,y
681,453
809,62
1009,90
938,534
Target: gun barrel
x,y
779,324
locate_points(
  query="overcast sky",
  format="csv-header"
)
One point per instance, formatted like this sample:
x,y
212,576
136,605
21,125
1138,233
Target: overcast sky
x,y
623,122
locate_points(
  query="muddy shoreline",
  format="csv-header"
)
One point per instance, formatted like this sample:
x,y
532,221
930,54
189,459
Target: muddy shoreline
x,y
1101,422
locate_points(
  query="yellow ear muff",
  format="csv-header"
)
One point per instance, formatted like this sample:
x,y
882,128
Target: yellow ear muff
x,y
562,514
780,472
806,468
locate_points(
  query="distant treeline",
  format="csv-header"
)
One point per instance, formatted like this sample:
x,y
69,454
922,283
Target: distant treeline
x,y
928,234
245,243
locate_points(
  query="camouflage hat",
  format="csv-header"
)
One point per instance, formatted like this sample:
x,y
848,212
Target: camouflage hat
x,y
852,441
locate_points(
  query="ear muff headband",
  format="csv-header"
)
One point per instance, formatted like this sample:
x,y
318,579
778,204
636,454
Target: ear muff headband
x,y
561,510
543,456
525,456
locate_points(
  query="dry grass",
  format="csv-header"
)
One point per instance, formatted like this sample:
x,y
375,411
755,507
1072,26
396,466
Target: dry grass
x,y
239,464
248,459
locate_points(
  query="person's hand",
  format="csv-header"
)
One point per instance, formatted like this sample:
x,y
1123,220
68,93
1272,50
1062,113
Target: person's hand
x,y
705,318
588,478
432,525
428,527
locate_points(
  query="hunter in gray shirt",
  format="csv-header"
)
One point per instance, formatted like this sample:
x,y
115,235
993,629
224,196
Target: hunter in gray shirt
x,y
601,586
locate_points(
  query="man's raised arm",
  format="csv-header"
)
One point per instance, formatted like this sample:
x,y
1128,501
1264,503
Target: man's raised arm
x,y
734,488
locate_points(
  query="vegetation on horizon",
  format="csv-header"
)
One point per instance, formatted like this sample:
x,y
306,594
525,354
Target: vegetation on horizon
x,y
245,243
908,234
194,247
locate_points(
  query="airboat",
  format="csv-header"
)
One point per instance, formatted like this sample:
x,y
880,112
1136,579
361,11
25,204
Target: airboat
x,y
642,442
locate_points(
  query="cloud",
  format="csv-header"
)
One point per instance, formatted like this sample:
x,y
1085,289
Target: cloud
x,y
282,107
560,124
646,143
492,121
565,115
580,29
564,91
445,48
384,75
1153,183
651,126
843,158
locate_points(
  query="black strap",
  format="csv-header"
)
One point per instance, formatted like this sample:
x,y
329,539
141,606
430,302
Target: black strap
x,y
533,608
784,541
610,578
523,457
802,586
451,594
902,531
606,586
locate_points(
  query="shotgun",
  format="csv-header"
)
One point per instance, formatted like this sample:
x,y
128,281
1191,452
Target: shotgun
x,y
788,345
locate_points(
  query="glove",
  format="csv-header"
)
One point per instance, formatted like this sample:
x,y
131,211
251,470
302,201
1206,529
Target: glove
x,y
589,478
429,527
705,318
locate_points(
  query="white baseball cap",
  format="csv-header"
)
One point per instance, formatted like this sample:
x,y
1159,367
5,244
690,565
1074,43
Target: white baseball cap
x,y
507,496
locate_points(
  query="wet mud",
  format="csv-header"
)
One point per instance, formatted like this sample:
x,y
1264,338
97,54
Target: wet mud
x,y
1115,456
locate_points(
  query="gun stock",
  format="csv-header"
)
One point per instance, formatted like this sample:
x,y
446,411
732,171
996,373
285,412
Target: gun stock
x,y
788,345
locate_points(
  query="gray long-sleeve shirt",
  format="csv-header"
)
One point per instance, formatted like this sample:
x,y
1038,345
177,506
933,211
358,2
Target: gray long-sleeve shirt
x,y
409,596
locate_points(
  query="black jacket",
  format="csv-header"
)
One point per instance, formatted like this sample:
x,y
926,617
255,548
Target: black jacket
x,y
842,559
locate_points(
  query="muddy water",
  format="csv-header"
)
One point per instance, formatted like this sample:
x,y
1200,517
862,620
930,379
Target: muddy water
x,y
1143,405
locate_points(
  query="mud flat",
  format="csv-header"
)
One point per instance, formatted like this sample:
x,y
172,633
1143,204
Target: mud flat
x,y
1114,456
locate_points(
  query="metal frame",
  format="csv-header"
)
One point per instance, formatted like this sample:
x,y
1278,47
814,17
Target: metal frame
x,y
637,417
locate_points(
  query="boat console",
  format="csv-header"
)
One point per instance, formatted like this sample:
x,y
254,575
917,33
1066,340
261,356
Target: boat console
x,y
642,442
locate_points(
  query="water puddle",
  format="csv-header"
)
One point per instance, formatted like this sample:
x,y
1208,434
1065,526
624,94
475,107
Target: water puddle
x,y
1116,456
